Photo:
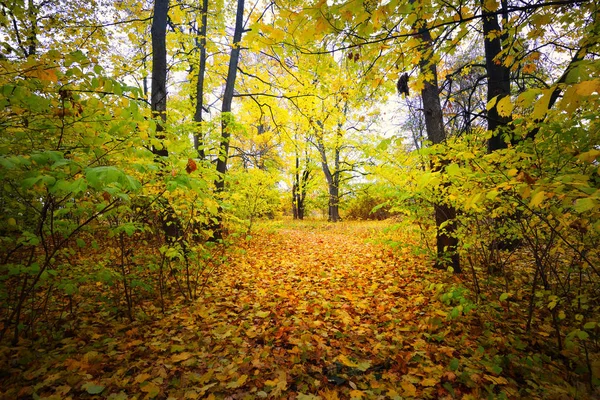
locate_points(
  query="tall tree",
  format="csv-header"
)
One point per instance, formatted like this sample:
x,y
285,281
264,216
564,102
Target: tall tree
x,y
198,136
498,73
445,214
226,116
158,103
302,175
158,100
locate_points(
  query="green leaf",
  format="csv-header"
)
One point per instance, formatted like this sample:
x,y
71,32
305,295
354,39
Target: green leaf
x,y
584,204
302,396
92,388
583,335
70,288
492,194
504,296
454,364
263,314
363,366
453,169
590,325
30,182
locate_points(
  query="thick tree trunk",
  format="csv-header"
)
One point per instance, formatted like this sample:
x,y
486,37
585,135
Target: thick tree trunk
x,y
158,104
445,215
299,189
333,182
158,100
299,194
498,81
199,136
226,117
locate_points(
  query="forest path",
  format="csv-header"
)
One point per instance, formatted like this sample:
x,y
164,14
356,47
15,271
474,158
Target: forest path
x,y
300,311
315,310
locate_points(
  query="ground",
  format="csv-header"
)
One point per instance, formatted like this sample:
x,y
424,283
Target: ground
x,y
300,311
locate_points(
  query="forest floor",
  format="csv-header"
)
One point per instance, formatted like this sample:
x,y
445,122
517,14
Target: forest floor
x,y
301,311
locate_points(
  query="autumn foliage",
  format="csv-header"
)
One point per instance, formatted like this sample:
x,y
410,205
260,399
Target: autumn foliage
x,y
165,182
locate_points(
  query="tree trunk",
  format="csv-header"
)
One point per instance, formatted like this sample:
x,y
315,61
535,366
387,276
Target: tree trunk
x,y
498,83
158,100
32,34
199,136
333,181
299,188
445,214
226,117
158,104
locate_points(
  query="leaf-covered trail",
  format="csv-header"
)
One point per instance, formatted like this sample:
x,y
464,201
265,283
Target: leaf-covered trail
x,y
304,312
310,311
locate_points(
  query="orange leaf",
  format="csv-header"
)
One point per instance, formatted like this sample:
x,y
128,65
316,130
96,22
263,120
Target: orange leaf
x,y
191,166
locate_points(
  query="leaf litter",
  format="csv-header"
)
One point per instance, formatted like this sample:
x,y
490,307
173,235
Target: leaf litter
x,y
299,313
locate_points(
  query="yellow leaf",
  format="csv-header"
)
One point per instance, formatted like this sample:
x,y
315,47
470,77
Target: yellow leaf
x,y
263,314
589,156
541,106
345,317
239,382
356,394
141,378
151,388
504,107
191,394
418,86
322,25
537,199
409,389
490,104
181,357
329,395
428,382
490,5
498,380
346,361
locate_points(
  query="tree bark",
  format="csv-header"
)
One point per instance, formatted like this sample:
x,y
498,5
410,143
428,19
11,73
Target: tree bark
x,y
333,182
158,105
198,136
498,81
158,99
226,117
445,215
301,178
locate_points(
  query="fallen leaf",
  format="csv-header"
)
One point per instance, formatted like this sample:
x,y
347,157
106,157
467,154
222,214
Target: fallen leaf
x,y
151,388
409,389
181,357
142,378
92,388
